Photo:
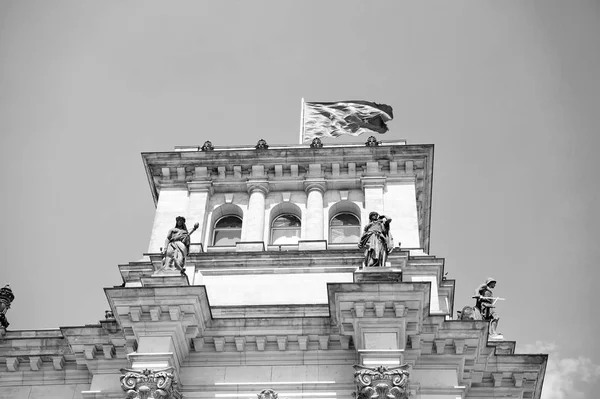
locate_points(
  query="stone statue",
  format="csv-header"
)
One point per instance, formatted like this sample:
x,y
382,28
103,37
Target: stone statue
x,y
381,382
484,308
376,241
177,246
6,298
485,304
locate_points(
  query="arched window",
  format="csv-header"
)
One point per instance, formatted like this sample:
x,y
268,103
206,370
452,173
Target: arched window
x,y
227,231
285,229
344,228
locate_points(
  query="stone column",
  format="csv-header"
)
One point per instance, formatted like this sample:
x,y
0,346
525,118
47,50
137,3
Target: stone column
x,y
314,209
253,226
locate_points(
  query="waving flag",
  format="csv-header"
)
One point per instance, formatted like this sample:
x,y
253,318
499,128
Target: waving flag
x,y
343,117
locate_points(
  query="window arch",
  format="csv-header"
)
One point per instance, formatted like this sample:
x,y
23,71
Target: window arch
x,y
227,231
285,229
344,222
226,224
344,228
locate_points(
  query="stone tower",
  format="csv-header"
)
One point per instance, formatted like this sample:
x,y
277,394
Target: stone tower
x,y
272,299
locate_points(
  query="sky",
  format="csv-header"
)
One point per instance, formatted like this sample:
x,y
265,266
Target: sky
x,y
508,92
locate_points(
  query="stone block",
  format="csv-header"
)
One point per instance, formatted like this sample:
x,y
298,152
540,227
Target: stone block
x,y
359,309
12,363
250,246
440,345
198,344
260,343
379,308
155,313
35,363
240,343
175,313
378,275
497,377
58,362
323,342
303,342
312,245
89,351
459,346
282,342
219,344
345,341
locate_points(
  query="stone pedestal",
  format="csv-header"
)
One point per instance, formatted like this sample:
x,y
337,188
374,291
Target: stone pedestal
x,y
377,275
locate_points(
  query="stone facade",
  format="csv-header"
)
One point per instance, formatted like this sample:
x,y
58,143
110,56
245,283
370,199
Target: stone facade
x,y
272,316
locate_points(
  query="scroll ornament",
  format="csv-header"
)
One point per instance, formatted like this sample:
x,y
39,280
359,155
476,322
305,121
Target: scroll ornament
x,y
150,384
381,382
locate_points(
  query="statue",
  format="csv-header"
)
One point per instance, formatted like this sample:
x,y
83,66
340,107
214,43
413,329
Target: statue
x,y
6,298
484,308
381,382
177,246
376,240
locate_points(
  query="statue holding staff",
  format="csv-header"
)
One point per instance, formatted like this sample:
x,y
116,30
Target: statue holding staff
x,y
376,241
177,246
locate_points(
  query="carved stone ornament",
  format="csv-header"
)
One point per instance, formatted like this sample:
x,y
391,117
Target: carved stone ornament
x,y
109,315
372,142
207,146
316,143
6,298
261,145
267,394
150,384
381,382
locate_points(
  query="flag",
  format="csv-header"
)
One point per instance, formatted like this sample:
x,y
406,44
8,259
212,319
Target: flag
x,y
344,117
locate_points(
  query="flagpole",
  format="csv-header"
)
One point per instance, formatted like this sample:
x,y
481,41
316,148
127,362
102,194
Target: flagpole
x,y
301,120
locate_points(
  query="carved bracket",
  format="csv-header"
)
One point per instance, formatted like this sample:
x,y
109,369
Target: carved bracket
x,y
381,382
150,384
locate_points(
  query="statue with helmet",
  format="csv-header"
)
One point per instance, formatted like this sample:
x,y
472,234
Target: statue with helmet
x,y
485,307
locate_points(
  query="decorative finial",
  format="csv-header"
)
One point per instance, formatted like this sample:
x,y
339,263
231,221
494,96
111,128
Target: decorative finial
x,y
207,146
372,142
109,315
316,143
261,145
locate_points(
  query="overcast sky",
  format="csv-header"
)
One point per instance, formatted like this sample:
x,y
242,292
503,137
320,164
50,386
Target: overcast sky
x,y
509,93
